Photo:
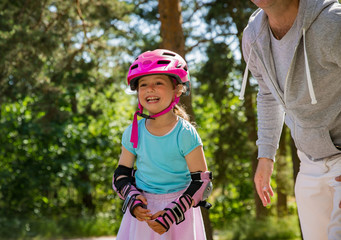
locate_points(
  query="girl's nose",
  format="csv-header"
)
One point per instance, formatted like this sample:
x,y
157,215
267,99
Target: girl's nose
x,y
151,88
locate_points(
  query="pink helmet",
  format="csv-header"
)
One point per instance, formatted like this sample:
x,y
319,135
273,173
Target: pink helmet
x,y
159,61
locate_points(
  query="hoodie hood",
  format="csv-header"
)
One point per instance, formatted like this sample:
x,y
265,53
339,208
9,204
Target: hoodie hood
x,y
311,11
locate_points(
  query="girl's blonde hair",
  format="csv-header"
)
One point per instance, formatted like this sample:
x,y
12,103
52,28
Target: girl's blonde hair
x,y
180,109
181,112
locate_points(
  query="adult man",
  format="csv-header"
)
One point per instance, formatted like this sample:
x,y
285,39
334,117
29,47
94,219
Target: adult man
x,y
292,48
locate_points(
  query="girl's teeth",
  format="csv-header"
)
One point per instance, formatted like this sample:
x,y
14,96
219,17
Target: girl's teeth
x,y
153,99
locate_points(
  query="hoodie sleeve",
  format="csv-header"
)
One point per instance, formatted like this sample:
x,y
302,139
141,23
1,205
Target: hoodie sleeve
x,y
269,112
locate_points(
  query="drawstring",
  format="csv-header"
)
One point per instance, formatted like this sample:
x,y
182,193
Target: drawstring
x,y
246,73
134,138
307,69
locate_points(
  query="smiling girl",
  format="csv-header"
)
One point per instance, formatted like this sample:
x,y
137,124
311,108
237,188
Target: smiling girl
x,y
171,179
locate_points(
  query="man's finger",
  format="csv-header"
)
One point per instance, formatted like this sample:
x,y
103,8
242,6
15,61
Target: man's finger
x,y
266,194
261,193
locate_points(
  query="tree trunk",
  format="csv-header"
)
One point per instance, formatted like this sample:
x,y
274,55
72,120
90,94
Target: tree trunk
x,y
296,166
281,177
84,176
85,191
173,38
207,223
295,159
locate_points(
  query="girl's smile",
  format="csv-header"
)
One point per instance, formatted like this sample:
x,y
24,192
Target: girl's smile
x,y
152,99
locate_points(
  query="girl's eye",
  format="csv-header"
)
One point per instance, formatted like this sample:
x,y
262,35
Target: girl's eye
x,y
159,83
143,85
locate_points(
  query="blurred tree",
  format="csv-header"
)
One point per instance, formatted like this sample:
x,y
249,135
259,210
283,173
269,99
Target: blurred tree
x,y
284,187
173,37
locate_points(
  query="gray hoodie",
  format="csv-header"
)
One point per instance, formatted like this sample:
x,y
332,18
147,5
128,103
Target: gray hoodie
x,y
311,99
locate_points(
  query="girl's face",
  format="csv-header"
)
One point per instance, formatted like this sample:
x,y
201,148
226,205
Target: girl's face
x,y
156,92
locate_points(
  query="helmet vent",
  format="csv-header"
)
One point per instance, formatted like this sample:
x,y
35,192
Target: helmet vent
x,y
169,54
185,68
133,67
163,62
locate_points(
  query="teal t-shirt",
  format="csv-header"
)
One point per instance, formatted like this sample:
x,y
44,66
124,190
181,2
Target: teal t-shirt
x,y
160,160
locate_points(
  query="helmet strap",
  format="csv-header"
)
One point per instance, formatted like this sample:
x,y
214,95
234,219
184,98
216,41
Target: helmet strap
x,y
134,138
170,107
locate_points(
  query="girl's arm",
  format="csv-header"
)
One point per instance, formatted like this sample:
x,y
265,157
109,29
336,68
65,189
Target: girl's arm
x,y
137,209
127,158
196,161
200,186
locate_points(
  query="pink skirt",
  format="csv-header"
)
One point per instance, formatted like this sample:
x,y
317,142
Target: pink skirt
x,y
190,229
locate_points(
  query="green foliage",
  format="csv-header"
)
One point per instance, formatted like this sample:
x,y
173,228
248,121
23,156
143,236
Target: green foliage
x,y
261,229
55,228
45,162
62,107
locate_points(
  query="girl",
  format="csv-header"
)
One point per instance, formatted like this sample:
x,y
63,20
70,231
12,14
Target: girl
x,y
162,196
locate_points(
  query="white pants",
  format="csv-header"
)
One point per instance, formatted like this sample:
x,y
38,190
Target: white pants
x,y
318,195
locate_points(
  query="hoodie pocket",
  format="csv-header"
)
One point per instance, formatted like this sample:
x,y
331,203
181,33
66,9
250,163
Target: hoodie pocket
x,y
315,142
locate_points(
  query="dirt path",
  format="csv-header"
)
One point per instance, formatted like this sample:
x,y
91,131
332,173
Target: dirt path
x,y
95,238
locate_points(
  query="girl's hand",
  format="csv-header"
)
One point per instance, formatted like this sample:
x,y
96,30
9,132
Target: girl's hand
x,y
155,226
142,214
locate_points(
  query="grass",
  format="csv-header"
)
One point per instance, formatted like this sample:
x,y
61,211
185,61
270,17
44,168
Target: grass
x,y
57,228
271,228
245,228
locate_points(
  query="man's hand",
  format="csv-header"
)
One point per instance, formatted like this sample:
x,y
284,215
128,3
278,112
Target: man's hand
x,y
339,180
141,213
157,227
262,179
